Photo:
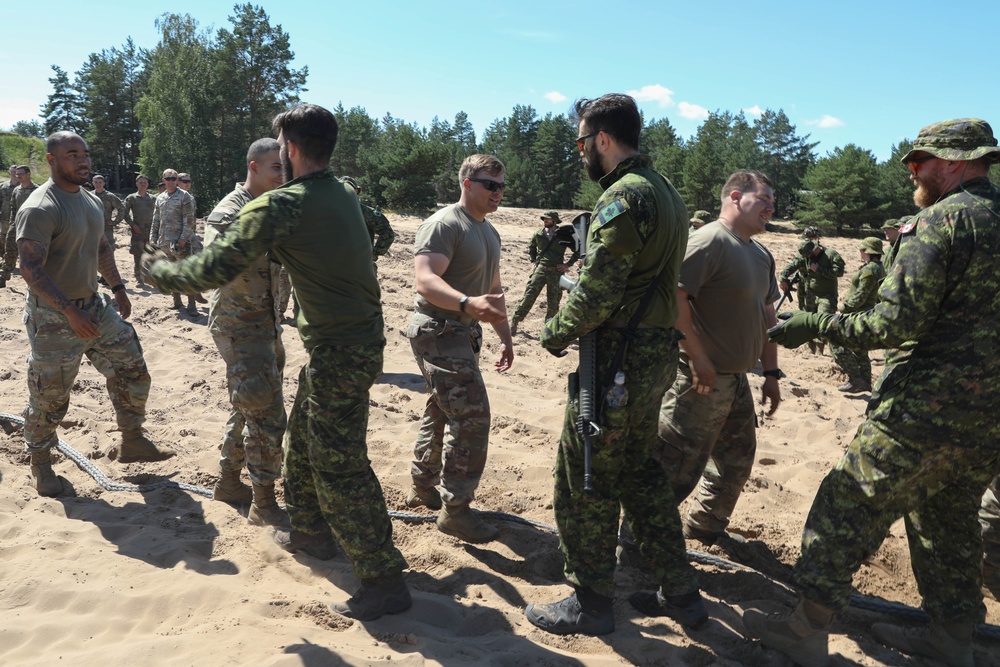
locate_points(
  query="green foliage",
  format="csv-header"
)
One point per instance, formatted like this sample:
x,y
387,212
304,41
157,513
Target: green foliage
x,y
15,149
459,142
63,109
402,165
660,141
29,128
705,169
785,158
892,186
840,191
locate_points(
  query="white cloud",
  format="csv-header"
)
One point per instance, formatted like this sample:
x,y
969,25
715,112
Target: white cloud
x,y
692,111
654,93
826,122
755,110
555,96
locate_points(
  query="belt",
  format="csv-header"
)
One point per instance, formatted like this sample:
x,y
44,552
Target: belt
x,y
84,302
467,320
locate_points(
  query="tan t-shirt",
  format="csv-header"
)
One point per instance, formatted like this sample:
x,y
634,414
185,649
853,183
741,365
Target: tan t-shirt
x,y
730,282
71,225
472,247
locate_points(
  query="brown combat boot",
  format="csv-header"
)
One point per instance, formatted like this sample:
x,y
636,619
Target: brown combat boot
x,y
951,643
265,511
424,496
229,488
135,447
321,544
178,304
376,598
46,482
192,307
462,522
802,634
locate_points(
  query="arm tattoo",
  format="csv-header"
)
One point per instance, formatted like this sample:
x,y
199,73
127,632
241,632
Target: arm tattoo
x,y
33,255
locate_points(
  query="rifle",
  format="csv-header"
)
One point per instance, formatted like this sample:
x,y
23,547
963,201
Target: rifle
x,y
586,421
788,292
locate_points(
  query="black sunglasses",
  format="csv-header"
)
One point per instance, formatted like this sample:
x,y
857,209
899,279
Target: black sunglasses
x,y
581,141
170,178
492,186
185,180
918,160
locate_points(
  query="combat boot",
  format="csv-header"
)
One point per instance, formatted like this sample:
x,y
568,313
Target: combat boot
x,y
376,598
802,634
462,522
688,609
46,481
424,496
135,447
198,297
321,544
855,385
582,613
264,510
229,488
192,307
951,643
178,304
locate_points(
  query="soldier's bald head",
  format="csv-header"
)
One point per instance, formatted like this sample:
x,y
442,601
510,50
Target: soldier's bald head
x,y
58,139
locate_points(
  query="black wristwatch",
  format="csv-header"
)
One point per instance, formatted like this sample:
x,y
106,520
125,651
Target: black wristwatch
x,y
117,288
461,302
776,374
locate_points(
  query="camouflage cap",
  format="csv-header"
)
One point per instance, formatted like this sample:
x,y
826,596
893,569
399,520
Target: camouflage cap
x,y
810,233
956,139
891,224
807,247
551,215
350,181
701,216
871,245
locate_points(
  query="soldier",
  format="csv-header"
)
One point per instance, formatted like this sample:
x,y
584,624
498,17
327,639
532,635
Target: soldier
x,y
892,235
184,182
113,209
62,247
456,259
243,319
172,228
818,268
18,196
862,296
547,253
312,224
699,220
6,191
989,518
378,225
627,291
708,415
138,214
927,448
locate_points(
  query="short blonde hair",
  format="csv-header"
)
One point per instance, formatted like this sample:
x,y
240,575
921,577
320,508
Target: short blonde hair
x,y
474,164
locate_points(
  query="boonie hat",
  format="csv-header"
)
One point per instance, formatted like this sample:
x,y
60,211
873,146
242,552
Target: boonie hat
x,y
956,139
871,245
891,224
807,247
551,214
810,233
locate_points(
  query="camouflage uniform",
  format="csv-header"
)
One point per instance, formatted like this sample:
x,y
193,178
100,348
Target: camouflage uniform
x,y
113,211
862,296
173,221
138,212
244,323
547,254
313,226
820,286
17,197
379,230
6,194
57,350
989,518
446,347
639,229
927,449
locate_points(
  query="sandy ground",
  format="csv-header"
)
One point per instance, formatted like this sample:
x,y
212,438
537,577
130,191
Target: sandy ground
x,y
169,577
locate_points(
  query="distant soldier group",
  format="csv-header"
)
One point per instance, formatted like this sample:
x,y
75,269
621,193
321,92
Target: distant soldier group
x,y
670,323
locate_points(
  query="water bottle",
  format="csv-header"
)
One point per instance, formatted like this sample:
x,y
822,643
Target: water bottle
x,y
618,394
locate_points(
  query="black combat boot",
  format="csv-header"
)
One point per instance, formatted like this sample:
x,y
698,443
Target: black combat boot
x,y
582,613
376,598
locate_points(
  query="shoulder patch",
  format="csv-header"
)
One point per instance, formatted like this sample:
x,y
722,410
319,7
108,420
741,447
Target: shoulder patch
x,y
908,227
610,212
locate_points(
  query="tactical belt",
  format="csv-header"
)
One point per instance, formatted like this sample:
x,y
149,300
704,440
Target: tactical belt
x,y
467,320
81,303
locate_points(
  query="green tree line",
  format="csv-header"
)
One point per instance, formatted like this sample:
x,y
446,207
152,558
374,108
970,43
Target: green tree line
x,y
198,98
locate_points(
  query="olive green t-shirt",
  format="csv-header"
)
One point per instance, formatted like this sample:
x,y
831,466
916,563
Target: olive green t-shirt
x,y
71,225
472,248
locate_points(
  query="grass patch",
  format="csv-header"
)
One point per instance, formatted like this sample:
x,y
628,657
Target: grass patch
x,y
15,149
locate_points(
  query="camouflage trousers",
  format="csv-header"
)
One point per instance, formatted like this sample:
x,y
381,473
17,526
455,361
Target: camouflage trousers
x,y
257,420
54,361
542,276
137,244
711,437
447,352
328,476
624,473
284,290
853,362
815,303
937,490
989,519
10,248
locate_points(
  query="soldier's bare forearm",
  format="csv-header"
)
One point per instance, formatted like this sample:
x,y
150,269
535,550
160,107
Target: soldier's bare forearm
x,y
106,263
33,255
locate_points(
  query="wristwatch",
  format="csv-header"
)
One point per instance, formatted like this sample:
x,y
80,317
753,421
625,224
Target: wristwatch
x,y
461,302
775,373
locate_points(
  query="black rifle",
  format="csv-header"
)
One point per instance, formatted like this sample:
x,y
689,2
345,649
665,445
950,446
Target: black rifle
x,y
788,292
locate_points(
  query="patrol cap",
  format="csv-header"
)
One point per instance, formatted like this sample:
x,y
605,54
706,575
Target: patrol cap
x,y
551,215
810,233
350,181
891,224
807,247
871,245
956,139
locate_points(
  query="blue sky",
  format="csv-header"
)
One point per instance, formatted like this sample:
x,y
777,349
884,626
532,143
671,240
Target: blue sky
x,y
869,73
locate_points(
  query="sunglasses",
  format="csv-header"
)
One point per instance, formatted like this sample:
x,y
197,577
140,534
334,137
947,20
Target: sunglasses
x,y
185,180
918,160
580,141
170,178
492,186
